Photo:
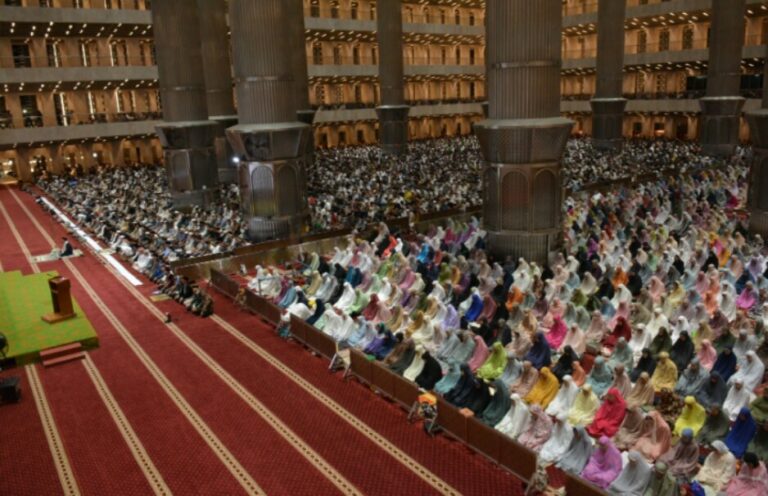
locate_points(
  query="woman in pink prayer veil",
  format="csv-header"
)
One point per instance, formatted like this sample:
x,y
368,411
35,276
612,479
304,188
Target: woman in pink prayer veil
x,y
604,465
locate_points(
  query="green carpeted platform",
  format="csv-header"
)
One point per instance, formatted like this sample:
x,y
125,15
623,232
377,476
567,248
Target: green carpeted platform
x,y
23,300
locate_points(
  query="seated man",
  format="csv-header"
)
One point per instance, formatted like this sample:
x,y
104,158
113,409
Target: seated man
x,y
66,249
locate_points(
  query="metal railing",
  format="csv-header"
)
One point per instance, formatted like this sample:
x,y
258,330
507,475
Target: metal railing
x,y
579,8
43,61
7,121
580,53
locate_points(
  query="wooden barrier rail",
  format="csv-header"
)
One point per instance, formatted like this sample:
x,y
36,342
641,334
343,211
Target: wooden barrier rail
x,y
311,337
261,306
224,284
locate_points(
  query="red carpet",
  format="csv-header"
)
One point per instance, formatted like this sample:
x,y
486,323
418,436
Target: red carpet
x,y
180,454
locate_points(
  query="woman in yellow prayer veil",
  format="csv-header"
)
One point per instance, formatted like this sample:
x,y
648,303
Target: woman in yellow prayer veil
x,y
545,389
691,417
584,407
665,375
495,364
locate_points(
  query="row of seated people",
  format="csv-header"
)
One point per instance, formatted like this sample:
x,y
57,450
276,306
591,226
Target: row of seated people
x,y
645,339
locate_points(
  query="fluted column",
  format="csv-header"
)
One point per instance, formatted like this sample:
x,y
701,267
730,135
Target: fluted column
x,y
23,170
304,111
392,112
608,104
523,139
214,46
268,140
757,195
721,108
186,134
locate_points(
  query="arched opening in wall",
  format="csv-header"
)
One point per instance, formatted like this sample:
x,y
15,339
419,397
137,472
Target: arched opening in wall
x,y
764,31
471,56
342,138
664,40
459,129
514,201
688,38
314,8
287,187
457,16
458,55
353,13
356,54
544,196
408,14
337,55
360,137
442,16
262,192
642,41
681,128
472,91
443,55
637,129
317,54
334,9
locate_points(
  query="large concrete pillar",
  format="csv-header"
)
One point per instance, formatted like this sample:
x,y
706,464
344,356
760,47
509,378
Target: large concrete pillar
x,y
23,168
186,134
523,139
304,111
269,142
608,104
392,112
757,195
214,46
721,108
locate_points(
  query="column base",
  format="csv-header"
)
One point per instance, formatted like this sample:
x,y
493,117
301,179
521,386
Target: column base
x,y
185,200
719,124
190,160
272,177
522,185
227,168
607,122
534,247
393,128
265,229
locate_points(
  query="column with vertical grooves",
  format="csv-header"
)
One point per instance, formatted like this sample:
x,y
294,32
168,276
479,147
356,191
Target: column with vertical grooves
x,y
721,107
522,140
214,46
757,195
268,140
608,104
392,111
186,134
304,111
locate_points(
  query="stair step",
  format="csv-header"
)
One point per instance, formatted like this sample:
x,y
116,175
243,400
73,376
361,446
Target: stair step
x,y
60,350
63,359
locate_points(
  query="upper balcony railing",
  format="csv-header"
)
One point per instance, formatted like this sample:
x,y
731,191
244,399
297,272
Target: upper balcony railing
x,y
34,61
445,20
661,95
580,53
584,7
35,119
359,14
670,46
368,60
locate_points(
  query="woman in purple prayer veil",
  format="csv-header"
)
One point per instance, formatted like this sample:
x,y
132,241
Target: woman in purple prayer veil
x,y
604,465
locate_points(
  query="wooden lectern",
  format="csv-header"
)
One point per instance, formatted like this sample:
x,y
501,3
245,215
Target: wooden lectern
x,y
62,301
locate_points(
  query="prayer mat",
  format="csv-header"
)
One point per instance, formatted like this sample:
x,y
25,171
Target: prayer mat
x,y
51,257
159,297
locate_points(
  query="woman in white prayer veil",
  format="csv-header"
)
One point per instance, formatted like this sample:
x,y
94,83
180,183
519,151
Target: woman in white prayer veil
x,y
559,440
728,306
523,282
385,291
640,339
588,284
522,268
300,310
516,420
438,292
680,326
328,287
621,295
573,265
738,397
658,320
337,256
417,365
750,372
564,398
347,297
634,478
718,469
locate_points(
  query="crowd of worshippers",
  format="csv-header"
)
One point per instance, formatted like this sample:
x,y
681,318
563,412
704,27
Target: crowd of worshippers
x,y
130,207
635,358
